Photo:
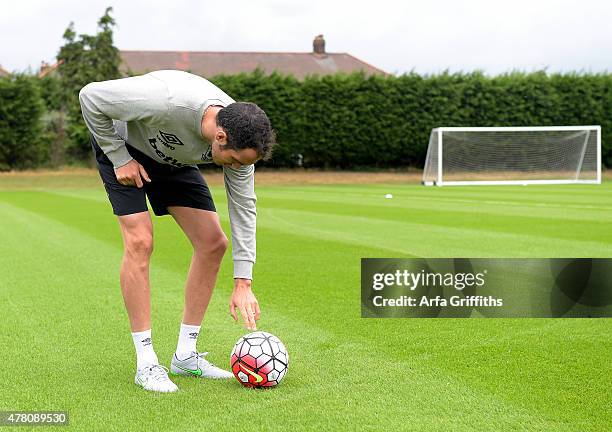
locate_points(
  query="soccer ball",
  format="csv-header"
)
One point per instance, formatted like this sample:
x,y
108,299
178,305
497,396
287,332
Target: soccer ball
x,y
259,359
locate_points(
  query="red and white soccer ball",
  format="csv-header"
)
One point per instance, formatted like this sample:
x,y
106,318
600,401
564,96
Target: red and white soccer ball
x,y
259,359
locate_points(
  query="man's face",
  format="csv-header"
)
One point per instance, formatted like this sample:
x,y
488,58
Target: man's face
x,y
230,157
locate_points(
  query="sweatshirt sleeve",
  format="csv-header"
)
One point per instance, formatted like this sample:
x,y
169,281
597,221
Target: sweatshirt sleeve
x,y
241,203
136,98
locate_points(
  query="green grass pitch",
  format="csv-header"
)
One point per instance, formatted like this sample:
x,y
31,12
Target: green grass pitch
x,y
66,345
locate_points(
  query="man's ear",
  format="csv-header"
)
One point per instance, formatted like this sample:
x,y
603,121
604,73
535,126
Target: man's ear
x,y
221,136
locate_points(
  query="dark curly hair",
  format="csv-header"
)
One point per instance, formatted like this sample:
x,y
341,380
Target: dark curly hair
x,y
247,126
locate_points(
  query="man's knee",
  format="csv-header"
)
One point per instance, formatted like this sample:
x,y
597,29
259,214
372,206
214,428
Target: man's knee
x,y
212,245
139,244
137,231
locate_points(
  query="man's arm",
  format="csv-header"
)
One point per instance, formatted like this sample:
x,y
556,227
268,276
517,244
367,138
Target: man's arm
x,y
241,202
127,99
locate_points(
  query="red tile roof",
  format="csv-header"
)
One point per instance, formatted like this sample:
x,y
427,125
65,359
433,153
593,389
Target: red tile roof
x,y
208,64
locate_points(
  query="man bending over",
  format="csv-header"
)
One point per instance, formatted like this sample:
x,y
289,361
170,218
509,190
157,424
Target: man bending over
x,y
148,134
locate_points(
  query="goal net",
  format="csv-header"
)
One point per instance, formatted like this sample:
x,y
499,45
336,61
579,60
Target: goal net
x,y
513,155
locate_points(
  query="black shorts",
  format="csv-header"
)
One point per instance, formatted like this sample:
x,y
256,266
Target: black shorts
x,y
170,186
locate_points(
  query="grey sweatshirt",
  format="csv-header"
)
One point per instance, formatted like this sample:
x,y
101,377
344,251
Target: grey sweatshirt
x,y
160,114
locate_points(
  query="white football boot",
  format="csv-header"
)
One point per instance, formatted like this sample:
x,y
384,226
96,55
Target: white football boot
x,y
197,366
155,378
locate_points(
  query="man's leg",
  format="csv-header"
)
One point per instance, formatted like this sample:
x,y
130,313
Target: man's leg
x,y
209,242
137,231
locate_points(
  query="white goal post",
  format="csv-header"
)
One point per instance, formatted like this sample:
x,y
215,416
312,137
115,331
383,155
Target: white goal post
x,y
459,156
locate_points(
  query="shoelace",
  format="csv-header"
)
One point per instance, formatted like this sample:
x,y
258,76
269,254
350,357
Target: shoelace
x,y
158,372
206,363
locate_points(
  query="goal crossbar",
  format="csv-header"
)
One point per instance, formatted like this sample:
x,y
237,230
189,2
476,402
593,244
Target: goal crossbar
x,y
518,128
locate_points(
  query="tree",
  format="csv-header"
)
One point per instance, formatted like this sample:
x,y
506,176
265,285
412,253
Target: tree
x,y
85,59
21,108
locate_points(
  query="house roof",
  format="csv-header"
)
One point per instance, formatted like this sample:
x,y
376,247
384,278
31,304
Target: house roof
x,y
211,63
47,69
3,71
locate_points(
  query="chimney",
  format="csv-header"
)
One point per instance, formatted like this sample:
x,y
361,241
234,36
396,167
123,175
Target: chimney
x,y
44,69
318,45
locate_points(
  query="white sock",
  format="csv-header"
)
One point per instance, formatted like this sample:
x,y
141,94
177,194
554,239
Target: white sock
x,y
143,343
188,337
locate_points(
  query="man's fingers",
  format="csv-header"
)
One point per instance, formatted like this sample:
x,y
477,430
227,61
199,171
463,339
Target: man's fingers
x,y
257,310
144,174
245,317
138,181
251,314
233,311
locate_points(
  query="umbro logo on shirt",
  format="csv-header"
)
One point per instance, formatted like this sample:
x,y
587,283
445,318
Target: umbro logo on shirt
x,y
207,157
169,140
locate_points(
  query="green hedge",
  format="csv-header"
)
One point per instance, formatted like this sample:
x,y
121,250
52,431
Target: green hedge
x,y
354,121
346,121
22,139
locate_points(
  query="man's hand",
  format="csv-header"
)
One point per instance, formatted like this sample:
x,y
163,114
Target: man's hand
x,y
244,300
131,174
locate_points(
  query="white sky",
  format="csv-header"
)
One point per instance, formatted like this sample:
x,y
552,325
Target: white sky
x,y
426,36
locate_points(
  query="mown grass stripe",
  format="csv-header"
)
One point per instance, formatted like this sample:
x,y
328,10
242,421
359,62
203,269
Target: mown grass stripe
x,y
545,226
564,193
407,201
417,239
